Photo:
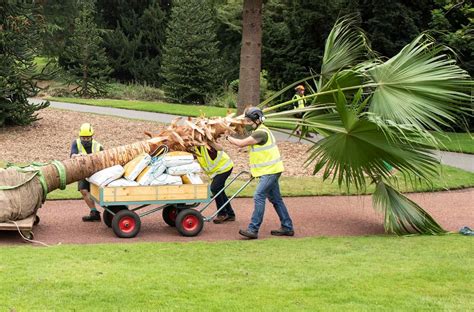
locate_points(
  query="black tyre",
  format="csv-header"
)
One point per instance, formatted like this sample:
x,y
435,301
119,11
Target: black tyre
x,y
189,222
170,213
107,216
37,220
28,235
126,224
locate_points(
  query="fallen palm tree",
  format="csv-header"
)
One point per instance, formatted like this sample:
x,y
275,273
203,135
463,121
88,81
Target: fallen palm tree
x,y
376,114
23,190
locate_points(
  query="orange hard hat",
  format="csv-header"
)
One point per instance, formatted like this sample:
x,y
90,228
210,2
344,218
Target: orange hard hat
x,y
299,87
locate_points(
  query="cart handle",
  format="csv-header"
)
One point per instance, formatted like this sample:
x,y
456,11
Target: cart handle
x,y
231,198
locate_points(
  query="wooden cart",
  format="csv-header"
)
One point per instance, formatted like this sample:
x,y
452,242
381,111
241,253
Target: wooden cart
x,y
25,226
177,203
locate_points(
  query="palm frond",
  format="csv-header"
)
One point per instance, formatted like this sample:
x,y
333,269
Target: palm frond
x,y
345,46
419,86
402,215
359,148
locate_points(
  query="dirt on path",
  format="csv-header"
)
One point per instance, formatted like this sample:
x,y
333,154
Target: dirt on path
x,y
312,216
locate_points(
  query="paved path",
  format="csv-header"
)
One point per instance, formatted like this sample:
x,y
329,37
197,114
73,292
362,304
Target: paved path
x,y
458,160
312,216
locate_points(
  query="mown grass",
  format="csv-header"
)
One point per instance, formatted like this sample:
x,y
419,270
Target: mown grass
x,y
312,274
450,178
456,142
156,107
40,62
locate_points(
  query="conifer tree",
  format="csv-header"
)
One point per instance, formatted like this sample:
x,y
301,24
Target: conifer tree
x,y
85,58
190,65
134,46
18,36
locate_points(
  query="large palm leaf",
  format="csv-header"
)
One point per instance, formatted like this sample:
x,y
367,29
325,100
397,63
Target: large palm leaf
x,y
402,215
345,46
419,86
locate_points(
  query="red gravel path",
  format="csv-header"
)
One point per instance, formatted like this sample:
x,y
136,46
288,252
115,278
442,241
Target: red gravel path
x,y
312,216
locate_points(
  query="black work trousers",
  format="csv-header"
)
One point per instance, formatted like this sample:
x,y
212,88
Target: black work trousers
x,y
218,184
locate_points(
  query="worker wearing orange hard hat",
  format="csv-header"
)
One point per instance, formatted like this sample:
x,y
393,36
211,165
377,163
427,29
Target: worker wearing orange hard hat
x,y
300,103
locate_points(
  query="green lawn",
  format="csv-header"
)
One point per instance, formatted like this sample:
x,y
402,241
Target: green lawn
x,y
451,178
312,274
156,107
40,62
456,142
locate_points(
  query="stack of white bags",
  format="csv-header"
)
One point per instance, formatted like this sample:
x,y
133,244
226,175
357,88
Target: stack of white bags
x,y
174,168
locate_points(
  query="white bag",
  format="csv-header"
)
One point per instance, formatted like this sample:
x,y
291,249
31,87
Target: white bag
x,y
122,182
151,173
174,159
192,178
165,179
184,169
136,166
107,175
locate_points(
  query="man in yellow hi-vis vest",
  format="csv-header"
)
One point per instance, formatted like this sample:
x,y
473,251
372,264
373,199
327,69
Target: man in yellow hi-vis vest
x,y
218,166
300,104
267,166
299,94
84,145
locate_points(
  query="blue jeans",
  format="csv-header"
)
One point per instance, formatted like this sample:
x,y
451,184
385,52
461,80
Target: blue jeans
x,y
268,187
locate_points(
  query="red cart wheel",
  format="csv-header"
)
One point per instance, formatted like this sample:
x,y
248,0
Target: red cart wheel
x,y
189,222
107,216
169,215
126,224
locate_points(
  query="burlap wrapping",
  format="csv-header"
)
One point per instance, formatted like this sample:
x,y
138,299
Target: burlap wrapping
x,y
21,202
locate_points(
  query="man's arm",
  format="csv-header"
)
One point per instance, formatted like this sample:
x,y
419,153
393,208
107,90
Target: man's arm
x,y
74,150
216,146
242,142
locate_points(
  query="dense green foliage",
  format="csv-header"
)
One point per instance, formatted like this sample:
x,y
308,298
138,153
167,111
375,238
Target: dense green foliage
x,y
452,24
18,33
294,32
84,56
135,40
59,17
191,65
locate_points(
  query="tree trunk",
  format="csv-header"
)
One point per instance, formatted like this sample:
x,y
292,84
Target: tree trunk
x,y
82,167
250,55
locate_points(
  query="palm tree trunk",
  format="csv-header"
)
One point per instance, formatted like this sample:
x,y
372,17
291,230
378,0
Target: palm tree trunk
x,y
250,55
82,167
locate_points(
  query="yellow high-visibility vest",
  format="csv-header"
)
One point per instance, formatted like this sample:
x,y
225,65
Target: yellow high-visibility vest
x,y
301,102
265,159
211,167
95,147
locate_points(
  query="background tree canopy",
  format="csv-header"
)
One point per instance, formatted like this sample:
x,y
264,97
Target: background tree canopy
x,y
145,41
293,32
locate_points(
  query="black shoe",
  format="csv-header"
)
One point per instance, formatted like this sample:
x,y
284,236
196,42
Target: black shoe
x,y
94,216
223,218
248,234
283,232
